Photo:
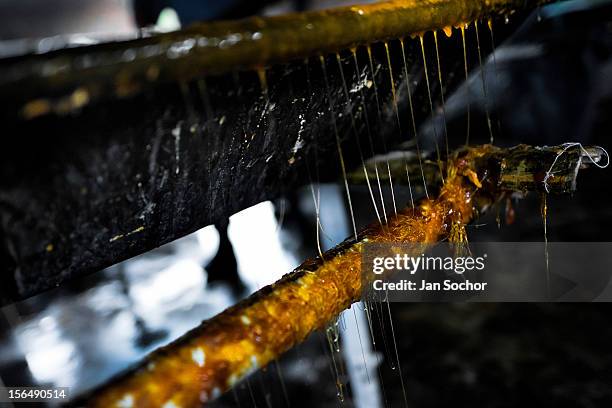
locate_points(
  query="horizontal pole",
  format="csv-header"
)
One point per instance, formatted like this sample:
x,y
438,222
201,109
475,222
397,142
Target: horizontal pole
x,y
66,80
213,357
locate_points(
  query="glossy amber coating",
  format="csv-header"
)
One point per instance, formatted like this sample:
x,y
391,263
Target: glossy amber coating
x,y
213,357
65,80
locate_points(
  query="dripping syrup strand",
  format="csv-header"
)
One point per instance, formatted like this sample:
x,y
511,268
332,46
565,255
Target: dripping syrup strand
x,y
435,33
333,339
369,131
490,25
380,318
356,135
359,148
261,376
399,366
338,144
236,399
315,197
335,372
365,364
248,383
328,358
372,303
368,316
395,109
421,39
484,81
414,128
368,312
465,67
282,383
384,144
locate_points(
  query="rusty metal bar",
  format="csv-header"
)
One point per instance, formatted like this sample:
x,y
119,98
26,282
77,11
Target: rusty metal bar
x,y
66,80
213,357
525,169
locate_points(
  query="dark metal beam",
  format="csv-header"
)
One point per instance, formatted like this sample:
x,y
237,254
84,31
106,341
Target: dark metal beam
x,y
115,178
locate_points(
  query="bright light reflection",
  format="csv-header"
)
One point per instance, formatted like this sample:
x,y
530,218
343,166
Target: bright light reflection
x,y
208,238
50,357
255,236
175,284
